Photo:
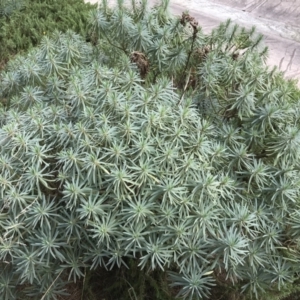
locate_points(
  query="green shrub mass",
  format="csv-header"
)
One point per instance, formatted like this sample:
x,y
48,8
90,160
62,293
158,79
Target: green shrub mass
x,y
23,23
153,144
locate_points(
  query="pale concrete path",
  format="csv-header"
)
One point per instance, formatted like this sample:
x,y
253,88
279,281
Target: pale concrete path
x,y
278,20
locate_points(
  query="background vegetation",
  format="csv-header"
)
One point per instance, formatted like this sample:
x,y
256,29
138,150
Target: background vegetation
x,y
160,158
23,23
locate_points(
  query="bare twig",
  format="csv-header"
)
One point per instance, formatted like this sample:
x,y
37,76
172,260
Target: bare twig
x,y
185,87
51,285
83,284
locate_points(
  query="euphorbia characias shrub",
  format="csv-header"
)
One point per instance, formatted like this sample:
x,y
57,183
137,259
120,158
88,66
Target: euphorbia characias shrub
x,y
156,143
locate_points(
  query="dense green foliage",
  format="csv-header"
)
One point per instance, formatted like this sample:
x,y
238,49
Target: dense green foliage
x,y
154,144
24,23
